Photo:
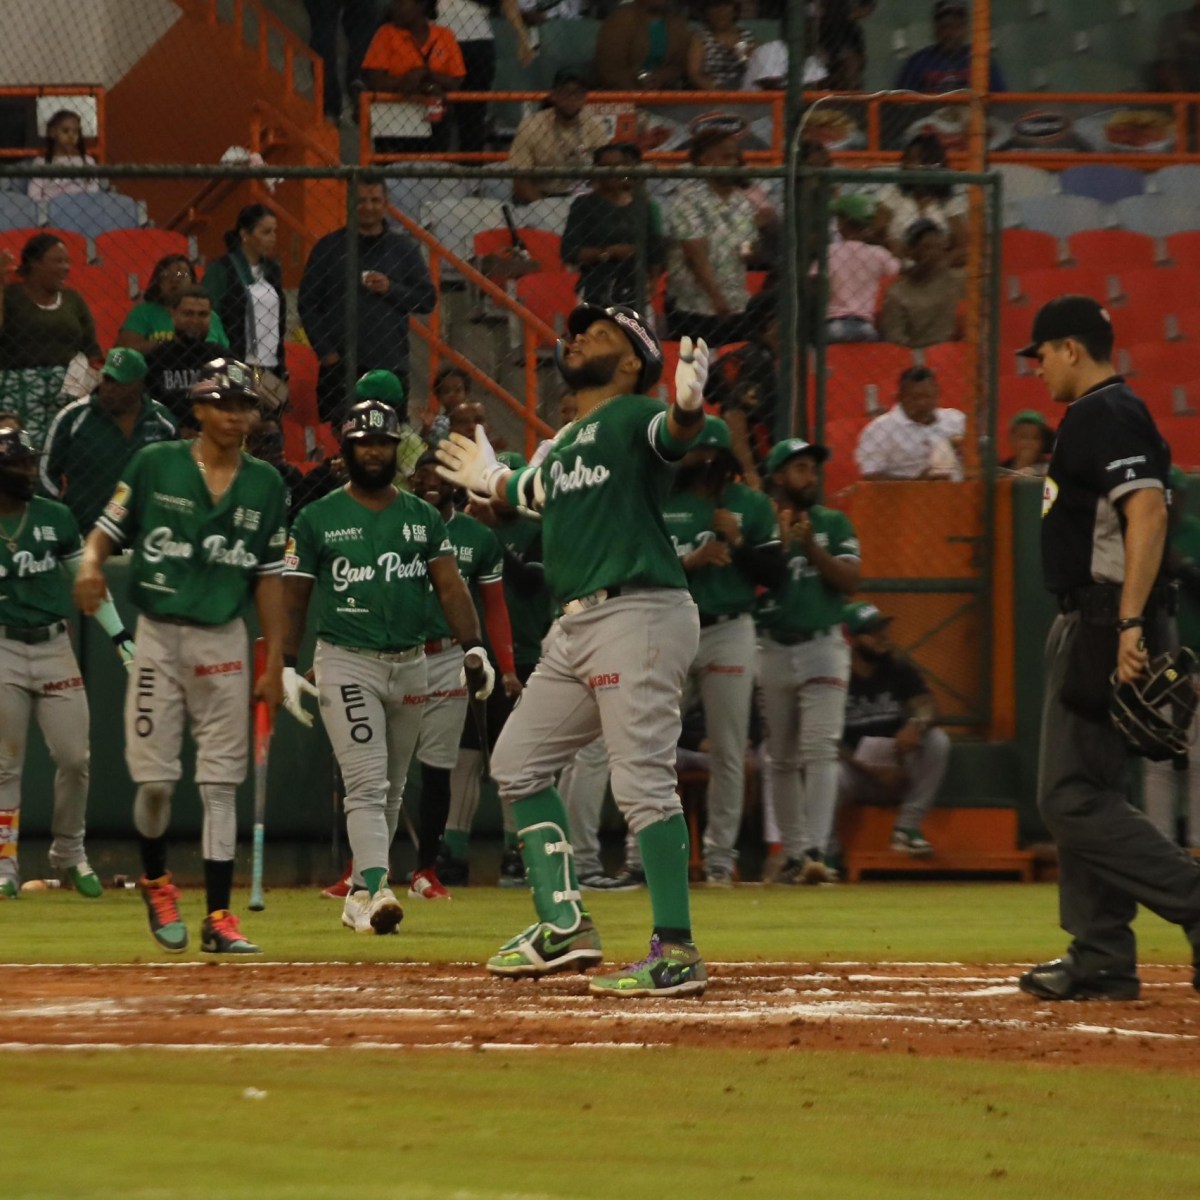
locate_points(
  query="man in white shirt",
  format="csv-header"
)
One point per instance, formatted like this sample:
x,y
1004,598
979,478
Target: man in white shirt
x,y
916,439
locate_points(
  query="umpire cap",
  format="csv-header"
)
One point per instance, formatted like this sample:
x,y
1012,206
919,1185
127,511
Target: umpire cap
x,y
371,418
1066,317
641,337
224,380
15,446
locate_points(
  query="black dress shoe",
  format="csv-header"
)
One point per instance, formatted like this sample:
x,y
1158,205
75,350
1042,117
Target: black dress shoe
x,y
1058,980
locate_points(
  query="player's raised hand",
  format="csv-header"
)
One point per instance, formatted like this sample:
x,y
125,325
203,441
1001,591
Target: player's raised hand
x,y
470,463
691,374
478,673
295,688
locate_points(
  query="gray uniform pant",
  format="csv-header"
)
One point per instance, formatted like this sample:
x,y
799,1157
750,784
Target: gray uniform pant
x,y
1160,784
1110,856
372,712
616,670
583,784
445,710
804,707
43,680
723,676
926,768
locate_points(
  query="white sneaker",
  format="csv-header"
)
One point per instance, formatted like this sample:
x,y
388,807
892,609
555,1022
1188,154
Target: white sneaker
x,y
383,911
354,911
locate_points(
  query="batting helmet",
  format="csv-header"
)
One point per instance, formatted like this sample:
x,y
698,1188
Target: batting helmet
x,y
1154,712
371,418
225,380
641,337
16,446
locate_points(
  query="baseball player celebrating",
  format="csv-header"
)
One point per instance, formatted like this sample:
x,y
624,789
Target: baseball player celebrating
x,y
368,550
480,562
39,550
616,660
727,538
206,525
804,661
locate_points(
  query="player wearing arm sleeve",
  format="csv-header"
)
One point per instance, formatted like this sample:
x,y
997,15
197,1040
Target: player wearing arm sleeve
x,y
370,552
615,662
205,524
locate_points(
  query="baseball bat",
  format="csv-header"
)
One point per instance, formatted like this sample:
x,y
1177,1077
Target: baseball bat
x,y
478,711
262,750
514,233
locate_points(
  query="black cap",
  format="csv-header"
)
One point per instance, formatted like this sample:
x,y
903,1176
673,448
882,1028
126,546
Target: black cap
x,y
15,446
565,75
641,336
1067,316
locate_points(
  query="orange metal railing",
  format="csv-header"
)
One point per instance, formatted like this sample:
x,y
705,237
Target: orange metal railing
x,y
96,145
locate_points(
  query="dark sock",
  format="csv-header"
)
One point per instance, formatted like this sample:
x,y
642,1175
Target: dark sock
x,y
218,884
666,934
435,809
154,856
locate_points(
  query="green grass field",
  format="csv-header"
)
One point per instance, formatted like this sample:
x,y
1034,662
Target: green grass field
x,y
590,1123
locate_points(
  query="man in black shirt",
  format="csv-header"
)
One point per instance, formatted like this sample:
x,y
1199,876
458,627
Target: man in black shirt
x,y
265,441
891,751
1104,523
175,366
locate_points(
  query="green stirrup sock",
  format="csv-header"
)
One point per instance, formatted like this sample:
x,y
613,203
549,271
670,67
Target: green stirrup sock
x,y
541,821
458,842
374,878
665,851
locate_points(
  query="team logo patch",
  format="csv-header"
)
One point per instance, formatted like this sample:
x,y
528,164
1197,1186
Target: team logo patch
x,y
291,559
118,506
605,681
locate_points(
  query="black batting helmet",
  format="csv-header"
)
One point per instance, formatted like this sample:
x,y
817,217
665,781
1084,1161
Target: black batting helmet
x,y
1154,711
371,418
225,380
641,337
16,446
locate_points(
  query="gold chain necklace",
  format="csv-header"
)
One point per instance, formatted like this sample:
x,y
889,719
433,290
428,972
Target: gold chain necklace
x,y
11,538
204,475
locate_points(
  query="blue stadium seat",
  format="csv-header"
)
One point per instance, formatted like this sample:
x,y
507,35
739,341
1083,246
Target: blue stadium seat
x,y
1025,183
94,213
1157,216
1065,215
1108,184
17,211
1182,182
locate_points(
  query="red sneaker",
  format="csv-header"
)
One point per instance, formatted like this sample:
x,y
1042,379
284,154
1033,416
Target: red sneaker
x,y
427,886
162,907
341,889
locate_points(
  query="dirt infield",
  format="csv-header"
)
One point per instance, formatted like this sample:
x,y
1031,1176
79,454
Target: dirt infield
x,y
948,1009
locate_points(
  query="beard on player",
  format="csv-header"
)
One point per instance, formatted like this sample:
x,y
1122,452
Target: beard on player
x,y
18,485
593,372
802,498
371,476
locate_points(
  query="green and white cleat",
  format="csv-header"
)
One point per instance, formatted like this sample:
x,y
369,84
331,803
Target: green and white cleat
x,y
670,969
544,950
85,881
10,889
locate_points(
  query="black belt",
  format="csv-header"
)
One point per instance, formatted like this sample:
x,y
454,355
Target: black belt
x,y
796,639
170,620
1100,603
32,635
707,620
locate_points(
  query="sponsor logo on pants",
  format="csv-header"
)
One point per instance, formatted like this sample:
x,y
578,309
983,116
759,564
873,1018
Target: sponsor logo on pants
x,y
605,681
225,668
356,713
62,685
143,721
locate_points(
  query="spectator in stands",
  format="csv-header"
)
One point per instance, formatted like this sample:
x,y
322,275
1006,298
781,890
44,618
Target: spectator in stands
x,y
46,330
946,65
538,12
265,442
713,227
856,270
360,20
451,387
467,417
604,229
324,478
92,439
66,146
560,135
892,751
151,323
1030,444
417,60
1176,63
173,367
767,69
642,46
902,204
921,307
394,283
719,51
246,286
916,439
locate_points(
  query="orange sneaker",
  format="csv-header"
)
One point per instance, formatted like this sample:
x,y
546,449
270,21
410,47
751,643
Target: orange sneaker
x,y
162,907
219,934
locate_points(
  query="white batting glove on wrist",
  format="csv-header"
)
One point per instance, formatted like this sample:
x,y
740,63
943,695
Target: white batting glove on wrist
x,y
126,649
691,374
470,464
476,661
295,687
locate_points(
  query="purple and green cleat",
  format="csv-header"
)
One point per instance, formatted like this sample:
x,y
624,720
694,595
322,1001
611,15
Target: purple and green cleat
x,y
670,969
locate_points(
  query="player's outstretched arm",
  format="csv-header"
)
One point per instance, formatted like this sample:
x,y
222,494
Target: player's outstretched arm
x,y
268,600
91,588
463,620
685,418
297,591
107,617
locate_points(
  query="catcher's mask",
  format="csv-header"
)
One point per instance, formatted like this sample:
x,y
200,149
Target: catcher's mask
x,y
1154,712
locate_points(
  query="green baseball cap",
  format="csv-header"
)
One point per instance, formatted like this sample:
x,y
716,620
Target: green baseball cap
x,y
1029,416
781,452
380,385
714,436
512,460
123,365
864,618
855,207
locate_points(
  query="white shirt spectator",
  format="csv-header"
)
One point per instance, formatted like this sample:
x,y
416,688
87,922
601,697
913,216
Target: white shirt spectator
x,y
47,187
770,61
906,209
896,446
564,10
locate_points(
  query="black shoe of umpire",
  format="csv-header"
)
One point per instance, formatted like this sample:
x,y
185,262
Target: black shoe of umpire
x,y
1058,980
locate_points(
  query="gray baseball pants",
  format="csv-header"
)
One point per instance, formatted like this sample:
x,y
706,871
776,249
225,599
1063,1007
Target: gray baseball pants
x,y
44,680
371,707
926,768
445,710
1160,783
616,670
582,785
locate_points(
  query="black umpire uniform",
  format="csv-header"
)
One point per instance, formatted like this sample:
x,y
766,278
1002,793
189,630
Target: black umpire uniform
x,y
1110,856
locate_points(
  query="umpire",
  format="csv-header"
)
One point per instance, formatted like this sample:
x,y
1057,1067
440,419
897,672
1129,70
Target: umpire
x,y
1104,521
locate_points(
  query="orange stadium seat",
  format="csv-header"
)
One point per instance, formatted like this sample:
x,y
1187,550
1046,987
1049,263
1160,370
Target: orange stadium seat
x,y
862,375
302,365
670,362
550,295
841,436
1133,323
1039,286
1016,394
106,293
1175,360
135,251
1183,249
1163,289
1112,250
1187,324
949,360
1028,250
1167,395
1183,436
13,241
545,248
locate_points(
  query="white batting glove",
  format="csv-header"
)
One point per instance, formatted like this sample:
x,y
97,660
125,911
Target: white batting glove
x,y
478,661
691,375
295,687
470,464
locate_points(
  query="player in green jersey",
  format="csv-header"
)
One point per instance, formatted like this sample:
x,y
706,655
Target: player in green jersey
x,y
616,660
804,661
727,538
39,551
206,526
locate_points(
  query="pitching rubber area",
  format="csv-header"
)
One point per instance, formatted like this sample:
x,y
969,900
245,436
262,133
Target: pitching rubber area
x,y
944,1009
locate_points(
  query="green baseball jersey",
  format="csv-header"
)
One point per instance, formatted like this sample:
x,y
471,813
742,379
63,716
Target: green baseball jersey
x,y
480,560
371,568
804,602
35,587
529,606
606,479
689,518
193,557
